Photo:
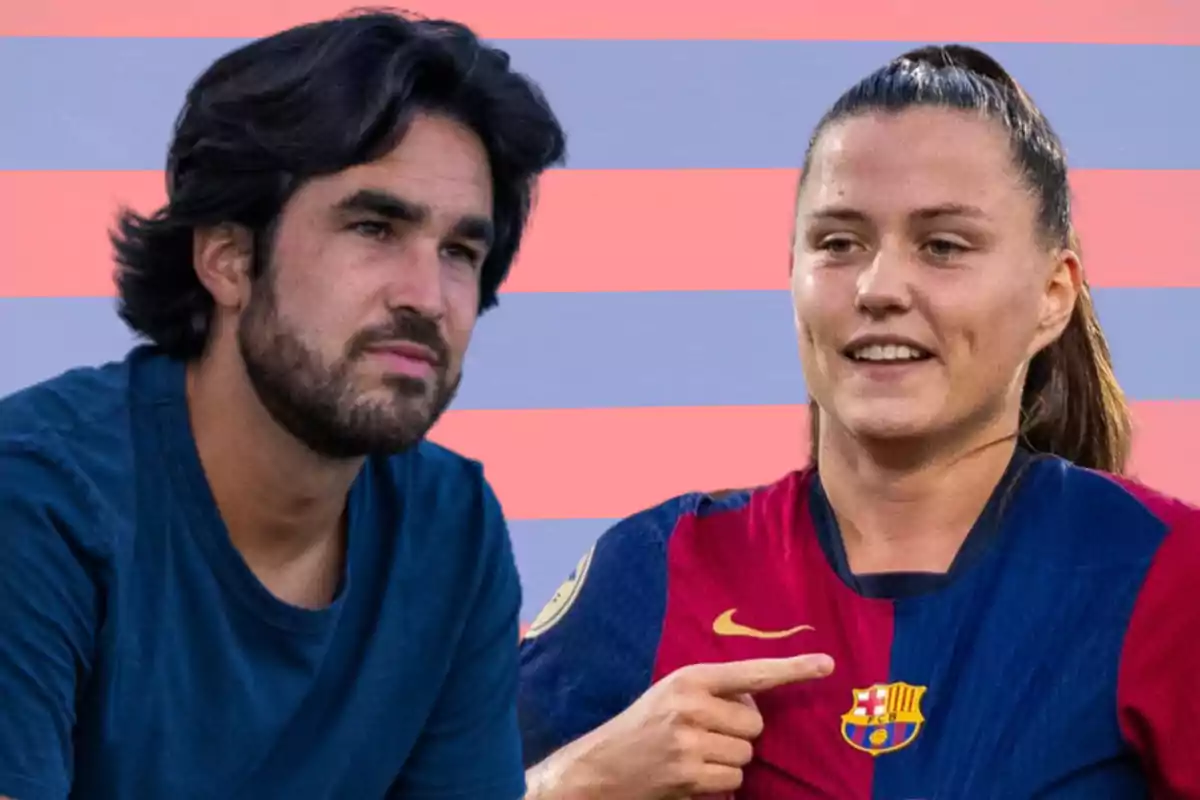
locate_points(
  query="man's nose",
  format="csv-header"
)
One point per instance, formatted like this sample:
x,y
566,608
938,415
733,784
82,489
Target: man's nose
x,y
417,281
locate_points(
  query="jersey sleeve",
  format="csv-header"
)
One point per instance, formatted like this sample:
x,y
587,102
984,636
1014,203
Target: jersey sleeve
x,y
590,652
49,609
1158,703
470,749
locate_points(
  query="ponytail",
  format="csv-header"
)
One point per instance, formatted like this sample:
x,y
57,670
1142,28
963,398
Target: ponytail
x,y
1072,405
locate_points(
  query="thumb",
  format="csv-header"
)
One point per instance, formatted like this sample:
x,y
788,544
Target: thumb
x,y
746,700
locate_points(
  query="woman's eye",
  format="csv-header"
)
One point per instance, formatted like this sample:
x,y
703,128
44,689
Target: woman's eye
x,y
837,245
944,248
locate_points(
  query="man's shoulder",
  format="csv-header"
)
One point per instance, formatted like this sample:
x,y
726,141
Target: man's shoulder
x,y
455,543
434,476
67,405
66,445
434,496
441,463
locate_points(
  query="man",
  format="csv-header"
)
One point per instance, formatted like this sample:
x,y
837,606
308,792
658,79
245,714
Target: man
x,y
230,565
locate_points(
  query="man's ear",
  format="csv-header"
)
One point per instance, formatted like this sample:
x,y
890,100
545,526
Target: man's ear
x,y
223,256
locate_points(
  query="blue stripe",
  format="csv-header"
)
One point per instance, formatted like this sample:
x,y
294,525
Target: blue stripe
x,y
547,550
596,350
91,104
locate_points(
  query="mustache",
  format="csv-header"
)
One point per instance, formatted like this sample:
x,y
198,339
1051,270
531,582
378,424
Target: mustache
x,y
407,327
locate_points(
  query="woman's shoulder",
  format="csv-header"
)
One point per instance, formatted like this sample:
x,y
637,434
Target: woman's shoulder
x,y
1170,510
1119,513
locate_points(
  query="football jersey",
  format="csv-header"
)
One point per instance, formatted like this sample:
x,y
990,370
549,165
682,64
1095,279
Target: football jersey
x,y
1057,658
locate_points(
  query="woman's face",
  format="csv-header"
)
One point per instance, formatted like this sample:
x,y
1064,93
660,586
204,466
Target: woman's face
x,y
922,285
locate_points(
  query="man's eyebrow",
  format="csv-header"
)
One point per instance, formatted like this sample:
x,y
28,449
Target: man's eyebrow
x,y
476,229
383,204
391,206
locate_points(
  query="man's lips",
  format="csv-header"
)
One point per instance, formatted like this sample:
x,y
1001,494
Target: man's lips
x,y
406,358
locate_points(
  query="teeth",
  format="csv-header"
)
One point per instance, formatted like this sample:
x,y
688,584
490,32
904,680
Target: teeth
x,y
887,352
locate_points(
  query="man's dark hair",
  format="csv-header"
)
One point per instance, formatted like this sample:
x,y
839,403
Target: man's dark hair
x,y
312,101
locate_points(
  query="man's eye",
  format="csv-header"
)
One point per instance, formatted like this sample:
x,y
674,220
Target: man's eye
x,y
466,255
372,228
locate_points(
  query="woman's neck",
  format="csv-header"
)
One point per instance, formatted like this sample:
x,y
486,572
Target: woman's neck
x,y
908,515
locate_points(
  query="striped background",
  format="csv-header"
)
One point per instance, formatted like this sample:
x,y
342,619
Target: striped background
x,y
644,346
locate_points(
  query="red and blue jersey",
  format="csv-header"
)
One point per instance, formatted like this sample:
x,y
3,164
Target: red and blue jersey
x,y
1059,657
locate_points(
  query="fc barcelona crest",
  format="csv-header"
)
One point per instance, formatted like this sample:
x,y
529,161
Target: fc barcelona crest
x,y
884,718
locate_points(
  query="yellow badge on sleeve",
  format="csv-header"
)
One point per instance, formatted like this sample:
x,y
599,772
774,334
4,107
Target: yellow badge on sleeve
x,y
563,598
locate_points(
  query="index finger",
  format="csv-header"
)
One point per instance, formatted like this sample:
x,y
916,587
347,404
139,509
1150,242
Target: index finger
x,y
761,674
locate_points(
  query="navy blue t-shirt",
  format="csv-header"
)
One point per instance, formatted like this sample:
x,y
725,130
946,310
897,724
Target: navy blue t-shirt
x,y
140,657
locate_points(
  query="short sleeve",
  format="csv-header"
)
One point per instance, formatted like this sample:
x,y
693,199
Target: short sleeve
x,y
470,749
1158,704
49,606
590,653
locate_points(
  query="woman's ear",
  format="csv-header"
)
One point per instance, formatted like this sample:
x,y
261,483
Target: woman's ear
x,y
1060,293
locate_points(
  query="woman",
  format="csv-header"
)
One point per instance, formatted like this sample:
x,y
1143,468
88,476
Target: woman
x,y
988,611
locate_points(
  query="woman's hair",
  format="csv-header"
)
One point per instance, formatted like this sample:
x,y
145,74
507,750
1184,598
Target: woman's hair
x,y
1071,404
311,101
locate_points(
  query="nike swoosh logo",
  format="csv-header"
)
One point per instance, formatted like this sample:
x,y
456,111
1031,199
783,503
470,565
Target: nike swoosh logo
x,y
725,626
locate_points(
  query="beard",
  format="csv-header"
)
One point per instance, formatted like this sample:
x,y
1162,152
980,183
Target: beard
x,y
320,404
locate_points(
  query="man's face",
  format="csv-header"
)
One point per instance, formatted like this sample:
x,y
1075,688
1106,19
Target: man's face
x,y
354,335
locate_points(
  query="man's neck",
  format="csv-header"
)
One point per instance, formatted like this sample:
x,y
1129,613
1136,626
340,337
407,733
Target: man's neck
x,y
282,504
899,515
